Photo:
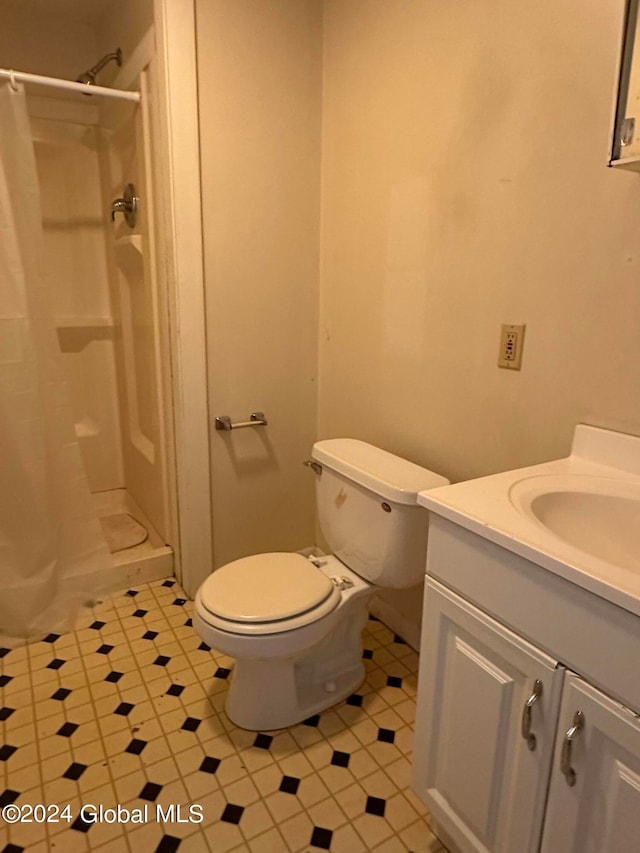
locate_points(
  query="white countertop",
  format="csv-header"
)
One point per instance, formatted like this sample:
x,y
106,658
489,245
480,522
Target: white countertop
x,y
488,506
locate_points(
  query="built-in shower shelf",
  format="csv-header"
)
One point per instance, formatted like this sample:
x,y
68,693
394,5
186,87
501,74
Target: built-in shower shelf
x,y
129,256
86,322
129,241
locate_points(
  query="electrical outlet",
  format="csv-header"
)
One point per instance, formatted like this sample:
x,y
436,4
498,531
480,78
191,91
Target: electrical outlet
x,y
511,341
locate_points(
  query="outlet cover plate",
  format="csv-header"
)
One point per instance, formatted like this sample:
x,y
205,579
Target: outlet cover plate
x,y
511,343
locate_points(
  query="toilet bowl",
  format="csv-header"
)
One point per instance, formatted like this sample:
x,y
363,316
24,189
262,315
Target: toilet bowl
x,y
289,668
294,623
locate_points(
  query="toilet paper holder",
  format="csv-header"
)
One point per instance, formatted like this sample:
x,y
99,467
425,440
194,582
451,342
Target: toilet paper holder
x,y
224,422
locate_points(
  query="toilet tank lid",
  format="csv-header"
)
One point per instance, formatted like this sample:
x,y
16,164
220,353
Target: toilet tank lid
x,y
389,476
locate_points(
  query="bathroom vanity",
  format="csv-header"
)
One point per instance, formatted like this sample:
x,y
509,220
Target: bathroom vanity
x,y
528,716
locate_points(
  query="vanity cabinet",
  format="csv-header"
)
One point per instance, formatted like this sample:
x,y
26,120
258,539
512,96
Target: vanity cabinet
x,y
488,706
600,812
485,690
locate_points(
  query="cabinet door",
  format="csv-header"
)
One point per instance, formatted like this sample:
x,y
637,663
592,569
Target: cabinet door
x,y
473,767
600,811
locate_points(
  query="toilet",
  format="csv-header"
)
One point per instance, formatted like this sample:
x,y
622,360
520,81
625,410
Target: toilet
x,y
294,623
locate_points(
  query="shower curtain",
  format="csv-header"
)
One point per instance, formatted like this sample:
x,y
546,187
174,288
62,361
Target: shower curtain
x,y
50,541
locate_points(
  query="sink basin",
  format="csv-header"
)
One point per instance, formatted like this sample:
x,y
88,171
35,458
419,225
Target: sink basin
x,y
598,516
577,517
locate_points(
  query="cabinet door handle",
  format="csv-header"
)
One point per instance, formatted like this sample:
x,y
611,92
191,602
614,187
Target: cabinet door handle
x,y
565,756
527,734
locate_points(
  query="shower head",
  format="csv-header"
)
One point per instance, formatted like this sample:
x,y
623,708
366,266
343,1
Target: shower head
x,y
89,77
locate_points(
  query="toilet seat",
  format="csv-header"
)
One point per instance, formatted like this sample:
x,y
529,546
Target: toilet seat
x,y
267,594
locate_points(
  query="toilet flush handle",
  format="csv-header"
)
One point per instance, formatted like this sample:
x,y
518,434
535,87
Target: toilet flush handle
x,y
316,467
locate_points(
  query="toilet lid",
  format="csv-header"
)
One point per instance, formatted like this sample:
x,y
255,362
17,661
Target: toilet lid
x,y
265,588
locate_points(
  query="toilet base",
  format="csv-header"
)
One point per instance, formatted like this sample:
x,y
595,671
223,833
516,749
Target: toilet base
x,y
263,695
281,692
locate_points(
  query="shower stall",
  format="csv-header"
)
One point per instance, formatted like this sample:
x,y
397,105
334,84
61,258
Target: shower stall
x,y
94,362
101,273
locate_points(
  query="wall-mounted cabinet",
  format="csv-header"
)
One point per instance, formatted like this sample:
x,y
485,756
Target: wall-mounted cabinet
x,y
625,147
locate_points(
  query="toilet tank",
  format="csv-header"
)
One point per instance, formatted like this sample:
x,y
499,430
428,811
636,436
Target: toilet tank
x,y
367,510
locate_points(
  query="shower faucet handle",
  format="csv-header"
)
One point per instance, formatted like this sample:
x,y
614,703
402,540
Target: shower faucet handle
x,y
119,205
128,205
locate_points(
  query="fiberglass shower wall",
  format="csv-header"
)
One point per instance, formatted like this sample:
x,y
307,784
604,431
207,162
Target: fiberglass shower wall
x,y
75,270
101,277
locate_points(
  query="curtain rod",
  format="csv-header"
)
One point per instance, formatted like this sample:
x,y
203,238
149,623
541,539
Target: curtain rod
x,y
102,91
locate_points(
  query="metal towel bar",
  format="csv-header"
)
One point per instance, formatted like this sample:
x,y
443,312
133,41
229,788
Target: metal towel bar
x,y
255,419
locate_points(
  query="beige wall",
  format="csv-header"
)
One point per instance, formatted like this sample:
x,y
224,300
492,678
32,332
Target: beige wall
x,y
123,24
464,186
43,42
259,69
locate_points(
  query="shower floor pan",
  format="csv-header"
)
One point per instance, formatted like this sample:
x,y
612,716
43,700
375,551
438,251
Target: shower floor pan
x,y
149,561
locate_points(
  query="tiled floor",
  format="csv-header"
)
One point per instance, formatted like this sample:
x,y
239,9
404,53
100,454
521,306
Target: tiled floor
x,y
129,710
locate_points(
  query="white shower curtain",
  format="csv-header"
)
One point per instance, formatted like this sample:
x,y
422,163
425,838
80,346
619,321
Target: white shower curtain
x,y
50,540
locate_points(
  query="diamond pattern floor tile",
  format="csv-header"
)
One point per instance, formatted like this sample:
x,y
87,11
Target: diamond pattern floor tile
x,y
128,711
